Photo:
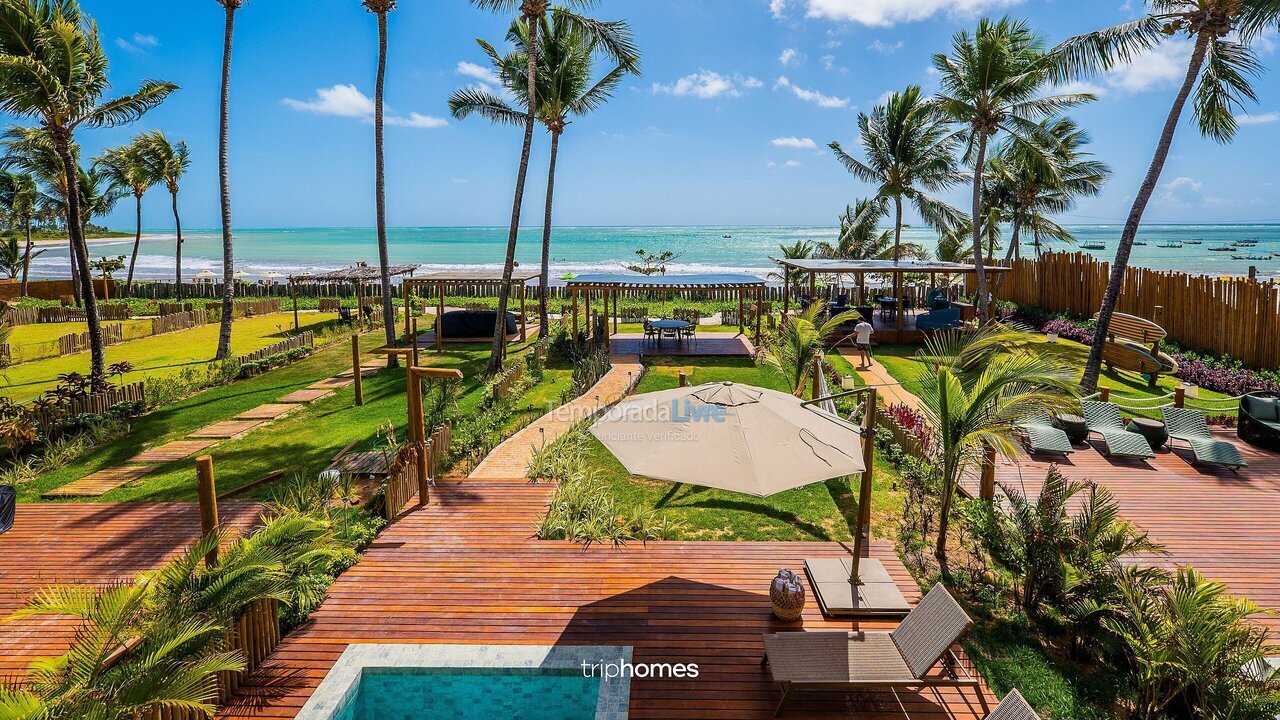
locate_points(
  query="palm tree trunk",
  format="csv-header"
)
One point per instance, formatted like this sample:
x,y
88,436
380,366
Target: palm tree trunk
x,y
380,192
137,240
26,257
224,190
84,276
981,299
177,250
897,251
508,267
1093,367
544,279
75,268
944,515
1011,253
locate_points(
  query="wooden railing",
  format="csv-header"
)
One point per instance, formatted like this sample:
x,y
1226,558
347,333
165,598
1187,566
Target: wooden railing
x,y
306,339
402,475
1230,316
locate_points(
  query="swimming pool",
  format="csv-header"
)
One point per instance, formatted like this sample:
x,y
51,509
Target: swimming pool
x,y
462,682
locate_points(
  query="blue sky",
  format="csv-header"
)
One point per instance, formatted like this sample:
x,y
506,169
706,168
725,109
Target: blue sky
x,y
727,125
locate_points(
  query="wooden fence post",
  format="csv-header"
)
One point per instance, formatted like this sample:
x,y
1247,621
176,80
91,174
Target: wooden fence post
x,y
355,368
207,491
987,490
1104,394
413,342
684,379
1179,397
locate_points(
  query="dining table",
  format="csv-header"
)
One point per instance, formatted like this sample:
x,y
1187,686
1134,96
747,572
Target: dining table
x,y
663,325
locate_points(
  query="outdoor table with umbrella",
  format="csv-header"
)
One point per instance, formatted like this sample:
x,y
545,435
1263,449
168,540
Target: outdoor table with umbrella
x,y
758,442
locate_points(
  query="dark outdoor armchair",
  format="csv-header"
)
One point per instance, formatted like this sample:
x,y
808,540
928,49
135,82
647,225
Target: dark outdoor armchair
x,y
1259,422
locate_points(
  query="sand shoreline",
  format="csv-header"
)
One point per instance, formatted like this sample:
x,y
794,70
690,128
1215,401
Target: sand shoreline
x,y
62,242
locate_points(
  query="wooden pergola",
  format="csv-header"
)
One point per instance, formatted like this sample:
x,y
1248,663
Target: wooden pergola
x,y
610,286
357,274
896,269
442,280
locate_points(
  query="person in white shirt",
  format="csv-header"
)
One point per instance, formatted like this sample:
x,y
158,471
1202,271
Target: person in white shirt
x,y
862,340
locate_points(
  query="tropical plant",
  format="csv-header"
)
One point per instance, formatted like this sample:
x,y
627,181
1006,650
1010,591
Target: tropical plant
x,y
909,152
955,244
169,162
229,8
613,43
126,167
797,250
860,236
53,69
10,256
1221,60
565,88
29,150
19,196
994,82
381,8
1193,650
800,342
652,263
975,387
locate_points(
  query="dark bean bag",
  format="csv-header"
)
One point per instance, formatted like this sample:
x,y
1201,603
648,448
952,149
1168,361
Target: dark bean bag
x,y
8,504
474,323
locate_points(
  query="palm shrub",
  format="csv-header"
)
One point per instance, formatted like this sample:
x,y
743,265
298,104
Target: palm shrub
x,y
975,388
797,343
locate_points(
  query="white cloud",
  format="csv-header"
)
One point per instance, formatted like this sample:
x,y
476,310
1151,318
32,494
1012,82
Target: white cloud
x,y
828,61
789,56
813,96
1263,119
347,101
1163,66
831,44
883,13
885,48
459,181
795,143
707,84
139,43
791,164
1182,191
1079,86
777,8
476,72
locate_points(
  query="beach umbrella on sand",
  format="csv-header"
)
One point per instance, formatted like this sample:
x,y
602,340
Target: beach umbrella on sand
x,y
758,442
205,275
274,274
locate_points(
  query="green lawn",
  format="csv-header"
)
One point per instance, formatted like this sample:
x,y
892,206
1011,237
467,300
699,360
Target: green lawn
x,y
823,511
305,441
159,355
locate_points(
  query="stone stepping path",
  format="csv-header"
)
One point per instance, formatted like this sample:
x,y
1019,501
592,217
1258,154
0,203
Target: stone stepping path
x,y
365,371
100,482
305,396
227,429
333,383
270,411
169,452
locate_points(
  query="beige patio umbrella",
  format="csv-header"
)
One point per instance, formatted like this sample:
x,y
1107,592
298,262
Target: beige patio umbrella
x,y
758,442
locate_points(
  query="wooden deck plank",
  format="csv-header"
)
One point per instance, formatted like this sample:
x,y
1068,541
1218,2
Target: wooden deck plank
x,y
226,429
268,411
101,482
170,452
306,395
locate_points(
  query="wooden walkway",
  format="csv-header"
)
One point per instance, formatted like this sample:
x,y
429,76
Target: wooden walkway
x,y
1224,524
465,570
93,543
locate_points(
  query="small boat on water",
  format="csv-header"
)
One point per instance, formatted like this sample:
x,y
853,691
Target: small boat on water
x,y
1192,242
727,237
1250,257
1221,248
1139,242
1093,246
1245,243
1171,244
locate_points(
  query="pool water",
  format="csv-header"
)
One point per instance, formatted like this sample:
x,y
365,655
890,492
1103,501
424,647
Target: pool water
x,y
471,694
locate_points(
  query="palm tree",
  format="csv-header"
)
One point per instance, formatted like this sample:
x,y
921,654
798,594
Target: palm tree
x,y
169,161
381,8
909,151
565,87
1221,60
955,245
993,82
19,195
860,235
224,179
126,166
975,387
797,250
53,69
29,150
800,341
615,44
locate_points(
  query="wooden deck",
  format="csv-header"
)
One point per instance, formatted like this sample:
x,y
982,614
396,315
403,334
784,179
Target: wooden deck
x,y
94,543
1222,523
465,570
707,344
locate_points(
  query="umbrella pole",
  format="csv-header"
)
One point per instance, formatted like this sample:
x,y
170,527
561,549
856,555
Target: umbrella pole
x,y
864,493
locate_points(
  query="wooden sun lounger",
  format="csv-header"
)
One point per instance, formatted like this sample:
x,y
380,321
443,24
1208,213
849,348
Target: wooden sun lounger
x,y
1043,437
1104,419
1190,425
852,660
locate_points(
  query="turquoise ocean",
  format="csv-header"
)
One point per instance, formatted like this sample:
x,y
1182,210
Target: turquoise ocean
x,y
606,249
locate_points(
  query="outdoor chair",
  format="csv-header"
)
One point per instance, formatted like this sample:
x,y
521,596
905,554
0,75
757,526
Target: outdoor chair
x,y
690,332
650,332
8,506
1259,423
1043,437
1190,425
898,659
345,316
1104,419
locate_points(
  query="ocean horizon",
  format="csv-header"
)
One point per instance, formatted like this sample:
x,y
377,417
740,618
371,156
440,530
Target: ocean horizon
x,y
597,249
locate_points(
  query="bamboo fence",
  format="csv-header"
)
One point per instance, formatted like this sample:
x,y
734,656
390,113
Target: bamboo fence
x,y
306,339
72,343
34,315
46,418
178,321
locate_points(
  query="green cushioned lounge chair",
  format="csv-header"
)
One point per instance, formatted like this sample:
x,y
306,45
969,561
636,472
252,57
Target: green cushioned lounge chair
x,y
1189,425
1043,437
1104,419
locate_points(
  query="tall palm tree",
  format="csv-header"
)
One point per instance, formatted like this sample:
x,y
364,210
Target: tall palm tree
x,y
861,237
973,392
169,161
565,88
229,8
797,250
30,150
381,8
617,45
800,341
19,195
127,167
909,152
993,82
53,69
1221,61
